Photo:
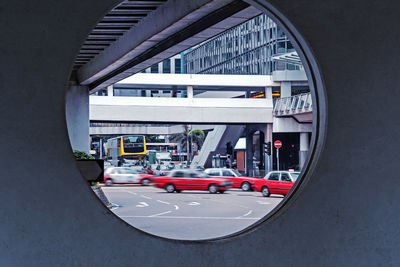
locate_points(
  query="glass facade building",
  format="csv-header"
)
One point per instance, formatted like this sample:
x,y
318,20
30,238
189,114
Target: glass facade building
x,y
244,49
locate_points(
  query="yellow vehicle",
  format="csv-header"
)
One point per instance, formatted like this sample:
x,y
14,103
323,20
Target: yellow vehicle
x,y
127,147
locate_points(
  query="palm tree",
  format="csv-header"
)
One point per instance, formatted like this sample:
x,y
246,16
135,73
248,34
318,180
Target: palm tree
x,y
195,136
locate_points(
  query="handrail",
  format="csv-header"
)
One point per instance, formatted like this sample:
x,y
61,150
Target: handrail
x,y
295,104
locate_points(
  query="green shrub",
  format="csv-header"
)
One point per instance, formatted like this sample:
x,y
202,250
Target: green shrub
x,y
82,155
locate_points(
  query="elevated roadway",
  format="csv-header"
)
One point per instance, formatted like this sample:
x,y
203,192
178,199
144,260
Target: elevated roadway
x,y
180,110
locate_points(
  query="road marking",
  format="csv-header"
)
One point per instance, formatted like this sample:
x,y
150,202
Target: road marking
x,y
133,193
163,202
114,206
162,213
142,204
182,217
176,207
263,202
145,197
247,213
194,203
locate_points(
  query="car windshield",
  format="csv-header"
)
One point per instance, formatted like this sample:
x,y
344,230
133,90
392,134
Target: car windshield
x,y
236,172
201,175
294,175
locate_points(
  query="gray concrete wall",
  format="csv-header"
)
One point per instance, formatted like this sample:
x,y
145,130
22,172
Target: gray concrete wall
x,y
289,125
344,213
77,116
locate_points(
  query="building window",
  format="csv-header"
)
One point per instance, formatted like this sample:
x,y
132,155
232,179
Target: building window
x,y
177,65
166,66
154,68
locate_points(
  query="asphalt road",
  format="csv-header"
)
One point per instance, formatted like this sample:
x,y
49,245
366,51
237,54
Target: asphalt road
x,y
190,215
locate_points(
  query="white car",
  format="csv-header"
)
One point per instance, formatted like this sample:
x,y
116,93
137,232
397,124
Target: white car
x,y
125,175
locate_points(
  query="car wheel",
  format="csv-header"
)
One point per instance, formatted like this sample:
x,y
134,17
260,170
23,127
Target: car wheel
x,y
245,186
212,188
145,181
170,188
108,182
265,191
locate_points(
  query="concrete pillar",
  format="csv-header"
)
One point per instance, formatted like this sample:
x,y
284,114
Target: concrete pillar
x,y
249,151
189,89
172,64
268,138
248,93
286,89
77,116
268,92
304,145
110,90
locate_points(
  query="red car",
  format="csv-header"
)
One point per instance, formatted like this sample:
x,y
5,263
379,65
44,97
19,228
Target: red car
x,y
238,181
276,182
126,175
179,180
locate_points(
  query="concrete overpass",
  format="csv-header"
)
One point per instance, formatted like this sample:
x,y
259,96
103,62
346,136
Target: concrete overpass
x,y
134,36
143,129
191,109
180,110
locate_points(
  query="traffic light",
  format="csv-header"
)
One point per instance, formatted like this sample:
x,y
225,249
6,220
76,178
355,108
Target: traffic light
x,y
267,148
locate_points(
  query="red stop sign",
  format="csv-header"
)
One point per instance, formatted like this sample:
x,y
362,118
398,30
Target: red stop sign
x,y
278,144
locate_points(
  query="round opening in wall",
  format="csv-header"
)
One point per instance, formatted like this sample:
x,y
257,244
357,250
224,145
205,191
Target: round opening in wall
x,y
204,118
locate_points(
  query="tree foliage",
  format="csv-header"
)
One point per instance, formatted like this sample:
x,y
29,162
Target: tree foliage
x,y
82,155
196,135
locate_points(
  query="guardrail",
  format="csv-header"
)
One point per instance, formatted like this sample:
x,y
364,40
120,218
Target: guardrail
x,y
296,104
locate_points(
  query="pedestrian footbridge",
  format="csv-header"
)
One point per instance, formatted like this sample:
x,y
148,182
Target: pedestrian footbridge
x,y
297,106
180,110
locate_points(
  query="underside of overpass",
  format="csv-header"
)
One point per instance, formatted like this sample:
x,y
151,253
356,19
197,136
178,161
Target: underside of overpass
x,y
342,213
137,34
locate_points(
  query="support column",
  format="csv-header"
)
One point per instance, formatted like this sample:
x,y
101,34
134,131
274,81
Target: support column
x,y
110,90
77,116
189,89
268,138
286,89
249,151
304,146
268,92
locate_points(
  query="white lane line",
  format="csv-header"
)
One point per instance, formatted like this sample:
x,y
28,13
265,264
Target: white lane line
x,y
176,207
162,213
247,213
114,206
142,204
145,197
194,203
133,193
163,202
180,217
263,202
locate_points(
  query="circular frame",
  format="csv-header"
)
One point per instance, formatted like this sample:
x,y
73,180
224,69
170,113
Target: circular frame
x,y
319,123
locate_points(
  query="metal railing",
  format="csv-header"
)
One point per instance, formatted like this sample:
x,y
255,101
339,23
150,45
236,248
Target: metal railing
x,y
296,104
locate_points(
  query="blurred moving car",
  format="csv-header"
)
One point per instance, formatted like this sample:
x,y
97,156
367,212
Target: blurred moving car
x,y
178,180
125,175
278,182
238,181
107,164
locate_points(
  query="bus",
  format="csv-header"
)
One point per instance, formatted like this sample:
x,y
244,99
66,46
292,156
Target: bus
x,y
126,148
